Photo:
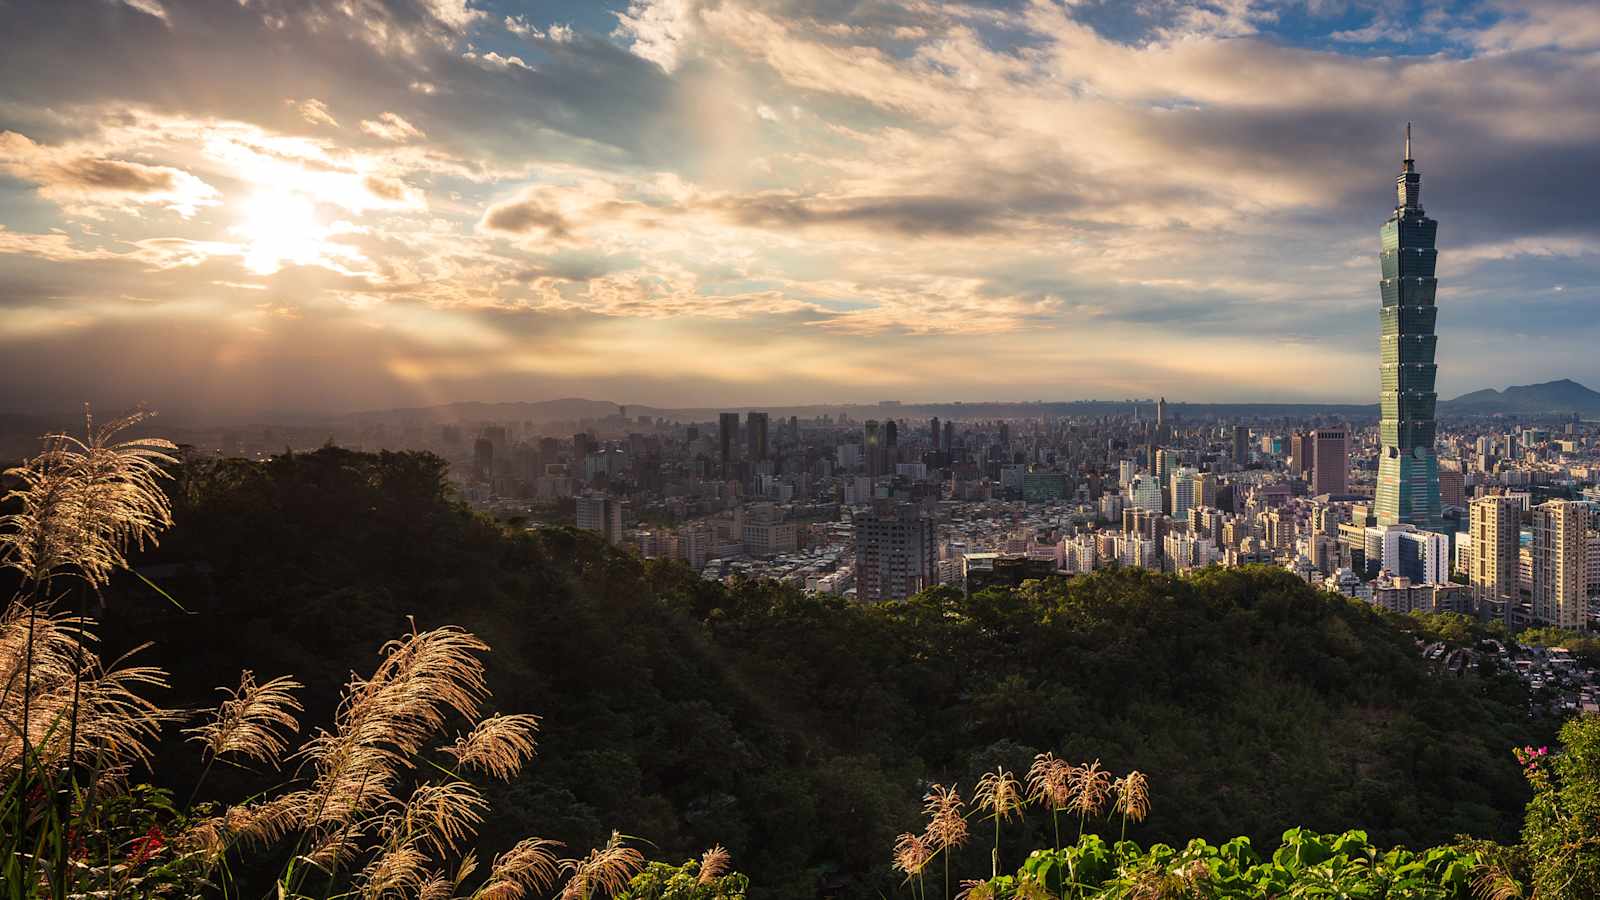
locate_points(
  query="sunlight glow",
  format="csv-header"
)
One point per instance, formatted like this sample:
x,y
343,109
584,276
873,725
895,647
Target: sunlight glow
x,y
281,228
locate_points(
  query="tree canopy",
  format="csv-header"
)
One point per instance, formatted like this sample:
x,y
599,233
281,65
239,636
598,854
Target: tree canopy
x,y
800,731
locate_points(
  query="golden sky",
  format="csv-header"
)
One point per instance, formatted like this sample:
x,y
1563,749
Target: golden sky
x,y
345,204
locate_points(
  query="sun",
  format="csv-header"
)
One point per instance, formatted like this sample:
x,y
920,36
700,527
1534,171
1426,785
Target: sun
x,y
280,228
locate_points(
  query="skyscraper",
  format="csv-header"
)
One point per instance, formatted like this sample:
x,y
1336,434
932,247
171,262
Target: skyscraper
x,y
1408,471
1241,445
872,448
756,424
1183,496
727,437
933,431
1299,454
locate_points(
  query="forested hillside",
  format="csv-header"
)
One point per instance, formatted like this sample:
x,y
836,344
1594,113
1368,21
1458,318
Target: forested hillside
x,y
801,732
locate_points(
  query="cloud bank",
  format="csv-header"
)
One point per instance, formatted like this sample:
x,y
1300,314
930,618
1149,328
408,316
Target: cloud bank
x,y
751,201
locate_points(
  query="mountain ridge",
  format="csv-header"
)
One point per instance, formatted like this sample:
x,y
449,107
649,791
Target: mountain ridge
x,y
1560,396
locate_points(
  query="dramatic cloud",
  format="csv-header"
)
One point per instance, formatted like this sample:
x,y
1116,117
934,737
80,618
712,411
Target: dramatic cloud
x,y
702,201
391,127
90,186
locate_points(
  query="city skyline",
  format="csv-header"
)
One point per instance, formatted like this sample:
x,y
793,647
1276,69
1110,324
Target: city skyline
x,y
331,207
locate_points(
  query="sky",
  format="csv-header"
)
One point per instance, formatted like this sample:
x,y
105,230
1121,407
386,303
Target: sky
x,y
331,205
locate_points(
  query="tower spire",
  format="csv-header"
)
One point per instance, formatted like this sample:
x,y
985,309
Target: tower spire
x,y
1408,143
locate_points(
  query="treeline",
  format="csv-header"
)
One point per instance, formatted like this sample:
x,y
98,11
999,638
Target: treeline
x,y
801,732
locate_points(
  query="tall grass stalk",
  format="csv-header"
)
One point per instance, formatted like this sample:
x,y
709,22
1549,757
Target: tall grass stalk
x,y
78,508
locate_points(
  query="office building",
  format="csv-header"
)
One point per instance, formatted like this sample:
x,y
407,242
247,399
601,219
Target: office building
x,y
1423,557
727,439
1330,461
1182,493
872,448
1560,564
896,551
1241,445
756,435
1299,454
1408,472
1452,489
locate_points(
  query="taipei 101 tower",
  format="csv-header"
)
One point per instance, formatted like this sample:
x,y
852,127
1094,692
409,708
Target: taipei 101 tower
x,y
1408,471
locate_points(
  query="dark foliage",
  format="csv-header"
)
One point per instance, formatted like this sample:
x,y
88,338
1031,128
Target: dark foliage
x,y
800,731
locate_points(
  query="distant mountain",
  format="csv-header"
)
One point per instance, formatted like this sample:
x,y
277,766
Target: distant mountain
x,y
1564,396
566,409
575,409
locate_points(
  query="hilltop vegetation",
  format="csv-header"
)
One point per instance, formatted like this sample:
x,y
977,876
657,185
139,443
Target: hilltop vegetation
x,y
799,731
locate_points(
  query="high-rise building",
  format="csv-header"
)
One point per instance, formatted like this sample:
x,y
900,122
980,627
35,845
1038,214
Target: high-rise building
x,y
1182,493
1280,528
949,437
597,512
483,458
1241,445
1452,489
1422,556
1560,563
1144,492
1166,462
1205,489
933,431
1495,524
891,434
896,552
1299,454
1330,461
727,439
1408,472
756,427
872,448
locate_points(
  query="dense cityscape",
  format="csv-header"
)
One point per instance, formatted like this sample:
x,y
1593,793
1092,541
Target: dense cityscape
x,y
1495,516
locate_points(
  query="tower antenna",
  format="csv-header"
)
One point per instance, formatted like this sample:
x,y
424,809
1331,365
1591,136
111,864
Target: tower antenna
x,y
1408,142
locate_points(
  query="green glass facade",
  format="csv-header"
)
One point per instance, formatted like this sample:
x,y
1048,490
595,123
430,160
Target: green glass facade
x,y
1408,470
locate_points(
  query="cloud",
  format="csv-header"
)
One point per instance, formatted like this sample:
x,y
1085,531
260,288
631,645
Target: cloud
x,y
1000,184
88,185
656,29
527,215
315,112
1539,24
390,127
149,8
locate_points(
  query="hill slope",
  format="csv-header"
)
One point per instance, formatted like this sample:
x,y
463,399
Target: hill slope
x,y
1551,397
801,732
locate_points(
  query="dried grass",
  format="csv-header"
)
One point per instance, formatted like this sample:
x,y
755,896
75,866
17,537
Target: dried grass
x,y
253,721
